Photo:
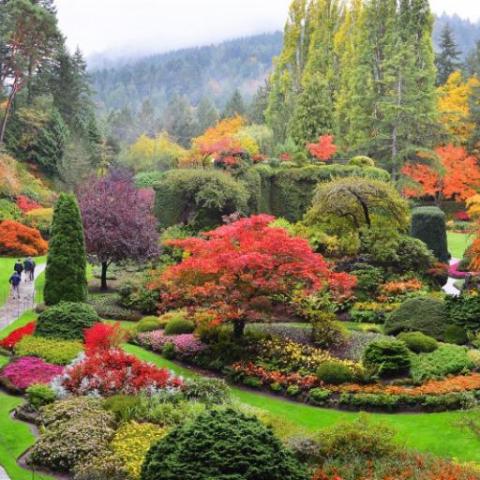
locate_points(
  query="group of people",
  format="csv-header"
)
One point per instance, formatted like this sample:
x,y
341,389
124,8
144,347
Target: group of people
x,y
27,266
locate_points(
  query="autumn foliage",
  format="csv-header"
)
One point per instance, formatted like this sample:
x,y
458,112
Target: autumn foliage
x,y
103,337
324,149
17,239
25,204
237,268
14,337
458,181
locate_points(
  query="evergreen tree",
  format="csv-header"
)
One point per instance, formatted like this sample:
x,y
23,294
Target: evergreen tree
x,y
472,62
259,105
235,106
448,58
147,122
206,115
474,107
179,121
65,277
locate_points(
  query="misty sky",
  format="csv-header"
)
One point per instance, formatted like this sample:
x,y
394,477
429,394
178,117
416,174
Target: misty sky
x,y
127,26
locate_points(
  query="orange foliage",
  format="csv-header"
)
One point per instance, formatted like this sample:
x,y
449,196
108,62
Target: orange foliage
x,y
324,149
17,239
459,181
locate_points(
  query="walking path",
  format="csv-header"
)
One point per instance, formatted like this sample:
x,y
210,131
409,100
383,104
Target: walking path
x,y
450,287
14,308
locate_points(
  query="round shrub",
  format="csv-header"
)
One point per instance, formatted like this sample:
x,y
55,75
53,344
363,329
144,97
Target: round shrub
x,y
39,395
361,161
388,357
421,314
455,334
148,324
179,327
418,342
334,373
66,320
221,444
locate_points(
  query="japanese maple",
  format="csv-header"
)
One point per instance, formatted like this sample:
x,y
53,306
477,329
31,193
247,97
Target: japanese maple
x,y
324,149
17,239
102,337
238,268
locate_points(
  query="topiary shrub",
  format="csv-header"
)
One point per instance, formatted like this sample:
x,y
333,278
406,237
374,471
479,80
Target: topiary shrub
x,y
65,276
179,326
455,334
67,321
387,357
221,444
361,161
148,324
334,373
428,225
421,314
418,342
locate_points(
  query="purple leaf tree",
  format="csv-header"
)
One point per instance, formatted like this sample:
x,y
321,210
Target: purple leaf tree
x,y
118,220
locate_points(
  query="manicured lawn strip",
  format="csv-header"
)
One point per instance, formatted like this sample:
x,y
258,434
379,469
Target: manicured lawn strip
x,y
458,243
437,433
20,322
39,285
15,438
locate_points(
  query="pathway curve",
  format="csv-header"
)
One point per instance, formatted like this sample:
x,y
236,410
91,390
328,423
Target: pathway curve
x,y
14,308
450,287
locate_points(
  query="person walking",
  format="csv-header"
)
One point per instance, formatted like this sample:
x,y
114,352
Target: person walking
x,y
14,281
28,266
18,267
32,269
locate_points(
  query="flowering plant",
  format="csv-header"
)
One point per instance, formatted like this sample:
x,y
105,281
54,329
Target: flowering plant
x,y
25,204
14,337
186,345
27,371
102,337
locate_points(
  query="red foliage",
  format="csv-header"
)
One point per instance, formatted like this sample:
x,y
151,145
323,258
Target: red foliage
x,y
324,149
102,337
25,204
462,216
11,340
17,239
459,181
237,266
115,372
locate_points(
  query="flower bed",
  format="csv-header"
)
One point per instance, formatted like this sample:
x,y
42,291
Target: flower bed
x,y
186,345
11,340
20,374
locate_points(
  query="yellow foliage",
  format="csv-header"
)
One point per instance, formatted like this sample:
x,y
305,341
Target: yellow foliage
x,y
453,106
132,442
40,218
473,206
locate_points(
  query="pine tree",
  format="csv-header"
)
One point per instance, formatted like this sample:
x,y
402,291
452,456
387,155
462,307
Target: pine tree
x,y
65,277
206,114
179,121
235,106
472,62
259,105
447,60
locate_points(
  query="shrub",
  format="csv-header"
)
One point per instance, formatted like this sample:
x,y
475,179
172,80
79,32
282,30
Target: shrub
x,y
26,204
388,357
100,467
102,337
186,345
148,324
318,396
428,225
122,406
114,371
422,314
14,337
132,442
40,218
60,352
9,210
334,373
368,278
168,351
26,371
107,307
166,318
361,161
248,451
455,334
210,391
418,342
179,326
75,430
17,239
39,395
65,275
136,294
66,320
464,310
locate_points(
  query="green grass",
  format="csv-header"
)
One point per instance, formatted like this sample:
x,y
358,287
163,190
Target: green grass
x,y
39,285
437,433
458,243
25,318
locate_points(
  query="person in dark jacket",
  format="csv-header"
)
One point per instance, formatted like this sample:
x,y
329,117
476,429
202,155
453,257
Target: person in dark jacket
x,y
18,267
14,281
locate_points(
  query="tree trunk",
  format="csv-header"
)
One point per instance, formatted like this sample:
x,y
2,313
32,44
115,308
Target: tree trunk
x,y
238,328
11,97
104,286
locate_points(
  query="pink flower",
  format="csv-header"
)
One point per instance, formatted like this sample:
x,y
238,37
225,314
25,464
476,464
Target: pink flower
x,y
27,371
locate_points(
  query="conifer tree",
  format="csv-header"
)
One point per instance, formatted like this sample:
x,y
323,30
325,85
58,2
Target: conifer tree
x,y
65,276
207,115
235,106
448,58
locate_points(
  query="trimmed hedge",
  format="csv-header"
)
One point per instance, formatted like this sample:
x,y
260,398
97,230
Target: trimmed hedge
x,y
388,357
428,225
418,342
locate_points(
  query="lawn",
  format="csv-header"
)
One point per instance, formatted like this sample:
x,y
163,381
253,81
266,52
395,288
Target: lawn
x,y
458,243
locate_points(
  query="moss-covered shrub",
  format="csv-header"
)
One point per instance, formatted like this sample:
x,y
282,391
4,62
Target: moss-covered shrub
x,y
387,357
60,352
421,314
247,451
418,342
67,321
429,225
334,373
179,326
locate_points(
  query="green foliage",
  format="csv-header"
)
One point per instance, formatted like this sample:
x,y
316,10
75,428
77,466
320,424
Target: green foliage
x,y
248,451
135,294
40,395
100,467
9,210
65,276
428,225
60,352
198,198
318,396
210,391
446,360
148,324
179,326
334,373
418,342
168,351
455,334
422,314
361,161
368,278
464,310
387,357
66,321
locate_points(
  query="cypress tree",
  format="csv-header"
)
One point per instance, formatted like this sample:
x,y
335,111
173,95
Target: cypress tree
x,y
65,277
447,60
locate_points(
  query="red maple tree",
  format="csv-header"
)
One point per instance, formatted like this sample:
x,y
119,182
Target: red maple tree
x,y
324,149
459,179
238,268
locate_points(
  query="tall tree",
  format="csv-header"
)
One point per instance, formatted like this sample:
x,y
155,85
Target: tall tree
x,y
235,105
472,62
179,120
65,276
206,114
448,57
259,105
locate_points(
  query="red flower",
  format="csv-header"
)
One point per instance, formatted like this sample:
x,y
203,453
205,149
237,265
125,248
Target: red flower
x,y
11,340
102,337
